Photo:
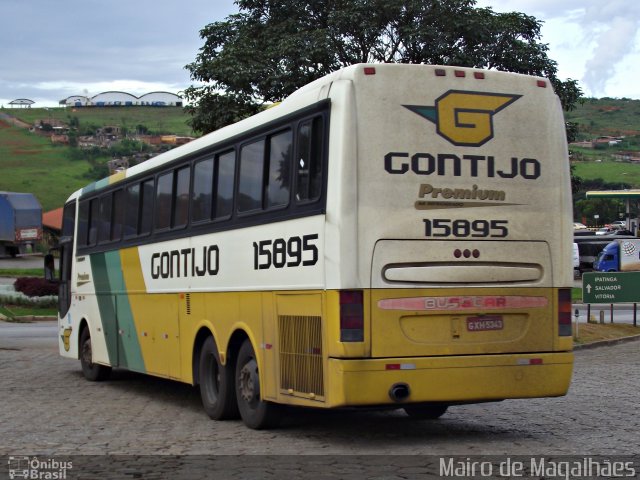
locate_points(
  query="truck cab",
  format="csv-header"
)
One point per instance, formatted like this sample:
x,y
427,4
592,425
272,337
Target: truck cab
x,y
608,259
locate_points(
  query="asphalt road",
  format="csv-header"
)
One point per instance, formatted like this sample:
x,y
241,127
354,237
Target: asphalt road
x,y
24,261
137,426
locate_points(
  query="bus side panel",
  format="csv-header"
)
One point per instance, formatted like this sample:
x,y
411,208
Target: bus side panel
x,y
153,322
300,346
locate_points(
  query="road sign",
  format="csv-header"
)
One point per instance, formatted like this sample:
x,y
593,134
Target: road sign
x,y
612,287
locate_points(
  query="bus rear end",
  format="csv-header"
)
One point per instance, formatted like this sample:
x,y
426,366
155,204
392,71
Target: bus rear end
x,y
461,240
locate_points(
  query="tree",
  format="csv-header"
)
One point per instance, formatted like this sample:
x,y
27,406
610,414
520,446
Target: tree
x,y
271,48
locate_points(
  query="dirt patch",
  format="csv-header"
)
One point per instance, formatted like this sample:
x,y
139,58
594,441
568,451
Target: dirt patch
x,y
26,152
597,332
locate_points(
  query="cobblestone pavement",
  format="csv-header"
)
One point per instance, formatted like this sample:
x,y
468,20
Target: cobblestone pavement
x,y
47,408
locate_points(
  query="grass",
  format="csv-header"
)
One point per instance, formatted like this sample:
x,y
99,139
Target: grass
x,y
595,332
13,311
610,171
576,293
159,120
606,116
21,272
37,166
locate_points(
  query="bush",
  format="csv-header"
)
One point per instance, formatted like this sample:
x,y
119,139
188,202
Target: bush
x,y
35,287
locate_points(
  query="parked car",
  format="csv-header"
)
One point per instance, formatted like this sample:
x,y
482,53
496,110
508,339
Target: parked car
x,y
579,226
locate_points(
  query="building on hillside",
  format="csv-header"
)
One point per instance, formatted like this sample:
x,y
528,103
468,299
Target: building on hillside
x,y
161,99
124,99
21,102
60,139
630,156
118,165
114,99
51,228
76,101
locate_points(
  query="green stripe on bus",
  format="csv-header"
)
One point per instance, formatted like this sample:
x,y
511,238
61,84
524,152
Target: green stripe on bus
x,y
115,311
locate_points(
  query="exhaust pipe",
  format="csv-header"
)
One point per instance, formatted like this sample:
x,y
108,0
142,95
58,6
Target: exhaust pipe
x,y
399,392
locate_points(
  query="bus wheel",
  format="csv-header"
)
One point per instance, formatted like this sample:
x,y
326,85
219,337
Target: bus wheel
x,y
255,413
91,371
426,412
216,384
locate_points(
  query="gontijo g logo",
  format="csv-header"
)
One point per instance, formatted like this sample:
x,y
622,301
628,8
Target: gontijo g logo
x,y
465,118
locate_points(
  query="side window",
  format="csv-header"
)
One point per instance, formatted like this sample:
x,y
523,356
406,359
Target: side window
x,y
202,197
309,160
94,221
251,176
280,152
226,169
146,207
181,201
164,192
118,215
104,218
68,219
132,196
83,223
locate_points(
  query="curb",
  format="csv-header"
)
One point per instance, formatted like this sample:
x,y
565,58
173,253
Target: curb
x,y
606,343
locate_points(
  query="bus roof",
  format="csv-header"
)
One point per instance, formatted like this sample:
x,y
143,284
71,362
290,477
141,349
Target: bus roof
x,y
302,97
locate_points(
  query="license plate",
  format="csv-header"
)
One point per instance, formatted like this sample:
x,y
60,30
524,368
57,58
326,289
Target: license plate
x,y
485,323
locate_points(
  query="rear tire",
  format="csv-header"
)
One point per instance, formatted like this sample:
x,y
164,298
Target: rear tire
x,y
426,412
216,384
91,371
255,412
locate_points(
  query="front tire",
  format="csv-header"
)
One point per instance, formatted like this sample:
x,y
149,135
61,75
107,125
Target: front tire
x,y
426,412
255,412
216,384
91,371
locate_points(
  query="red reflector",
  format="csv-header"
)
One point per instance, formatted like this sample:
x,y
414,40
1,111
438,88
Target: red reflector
x,y
542,83
369,70
535,361
460,73
564,312
441,72
351,316
478,75
392,366
564,306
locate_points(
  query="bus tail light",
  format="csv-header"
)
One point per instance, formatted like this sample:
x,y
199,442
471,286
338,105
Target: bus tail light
x,y
564,312
351,316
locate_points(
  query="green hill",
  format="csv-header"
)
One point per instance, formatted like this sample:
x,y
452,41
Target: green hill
x,y
31,163
604,164
158,120
606,117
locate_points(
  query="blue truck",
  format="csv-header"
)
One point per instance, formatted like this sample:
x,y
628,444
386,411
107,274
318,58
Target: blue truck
x,y
621,255
20,223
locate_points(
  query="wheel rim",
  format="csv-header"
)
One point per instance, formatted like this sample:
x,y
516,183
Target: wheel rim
x,y
249,384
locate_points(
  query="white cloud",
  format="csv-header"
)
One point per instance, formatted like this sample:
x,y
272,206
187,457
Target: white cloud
x,y
593,41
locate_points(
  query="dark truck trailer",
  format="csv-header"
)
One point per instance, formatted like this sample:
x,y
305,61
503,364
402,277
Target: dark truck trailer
x,y
20,223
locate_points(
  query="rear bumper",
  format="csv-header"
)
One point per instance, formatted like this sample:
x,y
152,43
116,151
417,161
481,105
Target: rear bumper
x,y
472,378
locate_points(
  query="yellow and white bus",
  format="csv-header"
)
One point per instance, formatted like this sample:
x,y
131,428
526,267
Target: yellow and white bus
x,y
388,236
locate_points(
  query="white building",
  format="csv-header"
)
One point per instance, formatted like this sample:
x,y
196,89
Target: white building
x,y
123,99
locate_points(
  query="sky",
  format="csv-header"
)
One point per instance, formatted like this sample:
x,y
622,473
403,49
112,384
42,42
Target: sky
x,y
52,50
